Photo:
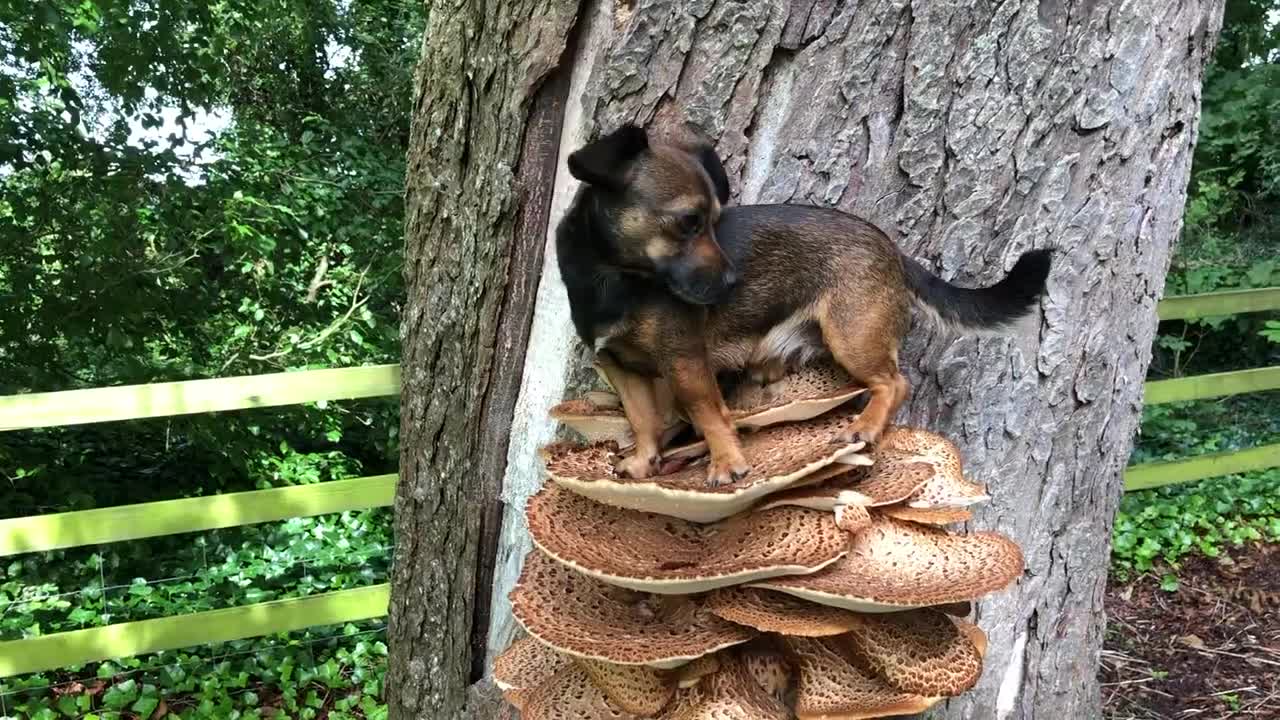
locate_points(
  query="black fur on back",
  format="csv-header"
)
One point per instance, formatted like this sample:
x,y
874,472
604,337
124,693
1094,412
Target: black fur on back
x,y
989,308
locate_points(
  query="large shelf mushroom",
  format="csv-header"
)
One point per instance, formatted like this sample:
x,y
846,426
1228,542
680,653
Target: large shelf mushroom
x,y
660,554
823,585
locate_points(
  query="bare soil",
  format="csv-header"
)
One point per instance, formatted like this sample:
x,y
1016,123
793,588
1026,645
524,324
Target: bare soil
x,y
1209,650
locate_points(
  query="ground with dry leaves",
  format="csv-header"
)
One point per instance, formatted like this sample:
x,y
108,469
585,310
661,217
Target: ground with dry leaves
x,y
1209,650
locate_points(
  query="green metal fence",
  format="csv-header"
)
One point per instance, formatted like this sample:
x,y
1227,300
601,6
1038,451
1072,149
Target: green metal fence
x,y
131,522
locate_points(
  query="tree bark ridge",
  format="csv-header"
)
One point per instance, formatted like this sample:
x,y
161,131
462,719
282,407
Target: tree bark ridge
x,y
481,65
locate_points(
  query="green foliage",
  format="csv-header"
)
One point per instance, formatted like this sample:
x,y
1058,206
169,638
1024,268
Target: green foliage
x,y
69,590
188,190
1161,526
1156,528
1231,232
334,673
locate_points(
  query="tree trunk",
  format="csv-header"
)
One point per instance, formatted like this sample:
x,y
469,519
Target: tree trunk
x,y
972,132
482,154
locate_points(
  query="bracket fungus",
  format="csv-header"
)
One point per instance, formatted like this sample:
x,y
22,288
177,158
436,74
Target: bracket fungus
x,y
526,665
660,554
730,693
927,516
633,688
571,695
820,587
896,565
917,651
586,618
833,687
779,456
803,395
774,612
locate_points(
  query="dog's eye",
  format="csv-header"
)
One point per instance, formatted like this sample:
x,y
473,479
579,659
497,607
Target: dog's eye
x,y
690,222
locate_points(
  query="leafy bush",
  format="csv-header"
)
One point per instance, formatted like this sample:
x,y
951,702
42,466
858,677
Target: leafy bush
x,y
334,673
1159,527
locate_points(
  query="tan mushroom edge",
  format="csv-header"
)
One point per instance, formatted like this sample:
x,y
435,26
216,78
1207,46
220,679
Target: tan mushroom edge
x,y
895,565
524,666
585,618
658,554
780,456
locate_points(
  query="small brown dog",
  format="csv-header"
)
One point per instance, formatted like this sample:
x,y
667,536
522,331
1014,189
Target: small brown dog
x,y
665,282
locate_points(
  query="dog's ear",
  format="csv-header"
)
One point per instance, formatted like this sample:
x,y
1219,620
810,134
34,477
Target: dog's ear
x,y
700,145
604,162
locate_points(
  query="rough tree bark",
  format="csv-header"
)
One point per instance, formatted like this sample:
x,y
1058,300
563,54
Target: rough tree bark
x,y
971,131
482,157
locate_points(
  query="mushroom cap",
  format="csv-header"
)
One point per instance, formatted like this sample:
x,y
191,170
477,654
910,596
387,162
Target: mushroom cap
x,y
692,672
852,518
833,687
924,444
659,554
947,491
894,565
948,486
524,666
890,480
917,651
779,456
769,667
927,516
632,688
586,618
975,635
776,612
801,395
731,693
570,695
599,421
826,493
593,423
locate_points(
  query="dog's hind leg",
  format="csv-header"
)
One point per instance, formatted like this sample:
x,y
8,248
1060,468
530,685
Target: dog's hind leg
x,y
864,341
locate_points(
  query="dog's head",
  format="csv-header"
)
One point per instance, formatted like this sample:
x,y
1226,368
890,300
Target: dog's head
x,y
661,201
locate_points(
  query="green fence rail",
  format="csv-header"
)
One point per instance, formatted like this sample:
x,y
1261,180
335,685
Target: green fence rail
x,y
178,631
1153,475
188,397
1234,302
171,517
1204,387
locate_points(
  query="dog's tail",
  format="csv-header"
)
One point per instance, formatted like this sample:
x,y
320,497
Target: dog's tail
x,y
991,309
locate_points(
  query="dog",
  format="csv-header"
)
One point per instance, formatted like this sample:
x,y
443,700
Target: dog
x,y
670,288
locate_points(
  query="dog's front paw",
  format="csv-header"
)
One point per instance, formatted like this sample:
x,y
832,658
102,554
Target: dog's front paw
x,y
638,467
727,470
859,433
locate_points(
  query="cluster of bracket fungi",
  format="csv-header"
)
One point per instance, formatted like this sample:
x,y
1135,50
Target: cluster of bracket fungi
x,y
823,585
